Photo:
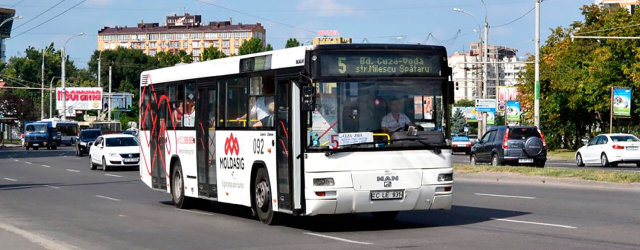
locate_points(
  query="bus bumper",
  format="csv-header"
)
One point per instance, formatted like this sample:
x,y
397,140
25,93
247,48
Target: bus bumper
x,y
349,200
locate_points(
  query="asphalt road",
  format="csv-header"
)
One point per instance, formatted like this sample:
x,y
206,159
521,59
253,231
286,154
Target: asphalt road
x,y
464,159
51,200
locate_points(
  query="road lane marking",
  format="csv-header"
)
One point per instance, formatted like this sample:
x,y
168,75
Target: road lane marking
x,y
108,198
9,179
49,186
16,160
194,212
46,166
28,162
535,223
505,196
338,239
36,239
113,175
73,170
66,156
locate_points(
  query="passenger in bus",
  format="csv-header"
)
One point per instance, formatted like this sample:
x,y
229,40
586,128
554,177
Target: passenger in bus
x,y
178,114
190,115
268,121
395,121
260,108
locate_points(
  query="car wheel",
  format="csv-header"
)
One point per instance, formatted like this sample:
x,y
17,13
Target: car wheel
x,y
104,165
604,161
494,160
385,216
26,147
80,154
92,166
262,198
473,160
540,164
579,161
177,188
35,148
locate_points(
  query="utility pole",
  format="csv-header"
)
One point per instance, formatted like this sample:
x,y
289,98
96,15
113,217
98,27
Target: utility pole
x,y
64,91
100,83
109,105
42,90
485,71
537,79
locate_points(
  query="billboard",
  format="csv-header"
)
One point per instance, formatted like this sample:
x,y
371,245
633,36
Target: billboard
x,y
81,98
469,112
506,94
621,102
119,101
513,111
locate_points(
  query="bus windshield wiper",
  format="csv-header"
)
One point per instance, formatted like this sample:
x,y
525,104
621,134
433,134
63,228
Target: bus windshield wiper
x,y
334,150
430,146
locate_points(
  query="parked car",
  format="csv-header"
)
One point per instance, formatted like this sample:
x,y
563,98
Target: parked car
x,y
114,150
86,138
511,145
461,144
609,150
131,131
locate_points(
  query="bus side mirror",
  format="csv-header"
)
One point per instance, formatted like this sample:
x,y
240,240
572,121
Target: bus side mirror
x,y
308,98
450,91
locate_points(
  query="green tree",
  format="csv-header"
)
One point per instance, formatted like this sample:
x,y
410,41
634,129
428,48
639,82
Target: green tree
x,y
458,121
268,48
185,57
167,59
212,53
253,45
292,42
464,103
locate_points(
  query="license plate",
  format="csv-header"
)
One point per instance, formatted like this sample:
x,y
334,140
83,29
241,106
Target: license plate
x,y
36,144
525,160
632,148
130,159
387,195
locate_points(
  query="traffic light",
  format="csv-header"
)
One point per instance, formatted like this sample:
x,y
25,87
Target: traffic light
x,y
456,85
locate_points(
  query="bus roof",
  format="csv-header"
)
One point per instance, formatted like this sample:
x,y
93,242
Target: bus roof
x,y
282,58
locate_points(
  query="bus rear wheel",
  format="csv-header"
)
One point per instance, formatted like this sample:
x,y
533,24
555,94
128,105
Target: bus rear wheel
x,y
262,198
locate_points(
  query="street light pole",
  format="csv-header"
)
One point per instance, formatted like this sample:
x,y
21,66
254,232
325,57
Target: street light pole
x,y
537,77
2,23
99,83
64,90
42,90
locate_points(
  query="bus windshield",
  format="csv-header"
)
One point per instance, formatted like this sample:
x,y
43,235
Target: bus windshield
x,y
367,111
67,129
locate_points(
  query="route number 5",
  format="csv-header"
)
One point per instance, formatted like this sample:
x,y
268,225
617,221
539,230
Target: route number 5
x,y
334,141
343,67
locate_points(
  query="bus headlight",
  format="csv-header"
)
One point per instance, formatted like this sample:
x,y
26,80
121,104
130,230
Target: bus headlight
x,y
323,182
445,177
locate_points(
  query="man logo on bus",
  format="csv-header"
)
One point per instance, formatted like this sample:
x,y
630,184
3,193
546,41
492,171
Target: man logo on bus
x,y
231,145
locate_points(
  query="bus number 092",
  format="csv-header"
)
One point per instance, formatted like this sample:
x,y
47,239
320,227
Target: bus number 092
x,y
258,146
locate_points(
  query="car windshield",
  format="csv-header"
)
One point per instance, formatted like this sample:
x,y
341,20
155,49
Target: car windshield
x,y
460,138
122,142
356,112
89,135
40,128
623,138
523,133
67,129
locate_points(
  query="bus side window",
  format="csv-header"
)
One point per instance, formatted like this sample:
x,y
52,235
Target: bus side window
x,y
236,108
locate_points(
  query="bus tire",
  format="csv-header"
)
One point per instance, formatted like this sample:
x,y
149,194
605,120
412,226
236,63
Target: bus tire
x,y
177,188
262,198
387,216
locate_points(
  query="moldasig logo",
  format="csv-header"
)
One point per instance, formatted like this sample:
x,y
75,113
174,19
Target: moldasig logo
x,y
231,146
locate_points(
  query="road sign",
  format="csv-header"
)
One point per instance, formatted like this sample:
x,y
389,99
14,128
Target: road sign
x,y
485,105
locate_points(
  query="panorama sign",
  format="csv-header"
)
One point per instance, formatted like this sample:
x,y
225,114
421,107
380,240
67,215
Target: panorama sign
x,y
79,98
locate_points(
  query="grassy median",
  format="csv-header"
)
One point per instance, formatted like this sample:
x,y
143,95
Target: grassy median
x,y
562,154
583,174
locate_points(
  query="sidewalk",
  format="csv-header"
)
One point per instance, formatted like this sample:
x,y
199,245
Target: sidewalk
x,y
13,241
10,146
541,180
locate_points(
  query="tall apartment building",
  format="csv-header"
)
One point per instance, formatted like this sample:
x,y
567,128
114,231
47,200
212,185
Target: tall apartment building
x,y
503,70
186,32
630,5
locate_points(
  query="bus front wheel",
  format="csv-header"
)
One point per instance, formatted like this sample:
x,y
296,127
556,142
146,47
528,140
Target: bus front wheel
x,y
262,198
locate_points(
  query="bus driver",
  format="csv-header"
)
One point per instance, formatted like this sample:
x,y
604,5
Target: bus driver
x,y
395,120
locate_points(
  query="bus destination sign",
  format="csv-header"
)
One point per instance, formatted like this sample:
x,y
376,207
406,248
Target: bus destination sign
x,y
379,64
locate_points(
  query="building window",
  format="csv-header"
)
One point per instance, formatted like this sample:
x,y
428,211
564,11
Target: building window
x,y
225,44
216,44
152,45
236,52
123,38
197,36
182,36
225,35
195,52
226,52
210,35
166,36
152,53
236,43
197,44
185,45
207,44
153,37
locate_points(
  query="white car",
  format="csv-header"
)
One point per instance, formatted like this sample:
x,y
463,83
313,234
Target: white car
x,y
114,150
609,150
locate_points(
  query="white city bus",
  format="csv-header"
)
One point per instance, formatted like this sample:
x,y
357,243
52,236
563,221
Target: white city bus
x,y
300,130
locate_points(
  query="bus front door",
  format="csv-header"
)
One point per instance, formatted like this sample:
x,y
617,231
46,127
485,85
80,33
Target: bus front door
x,y
158,154
284,155
206,141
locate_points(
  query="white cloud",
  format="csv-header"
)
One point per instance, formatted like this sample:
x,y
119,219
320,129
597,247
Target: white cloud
x,y
326,8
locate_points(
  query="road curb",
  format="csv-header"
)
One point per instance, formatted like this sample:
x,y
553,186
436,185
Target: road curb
x,y
541,180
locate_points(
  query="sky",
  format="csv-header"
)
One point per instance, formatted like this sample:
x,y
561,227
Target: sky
x,y
375,21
